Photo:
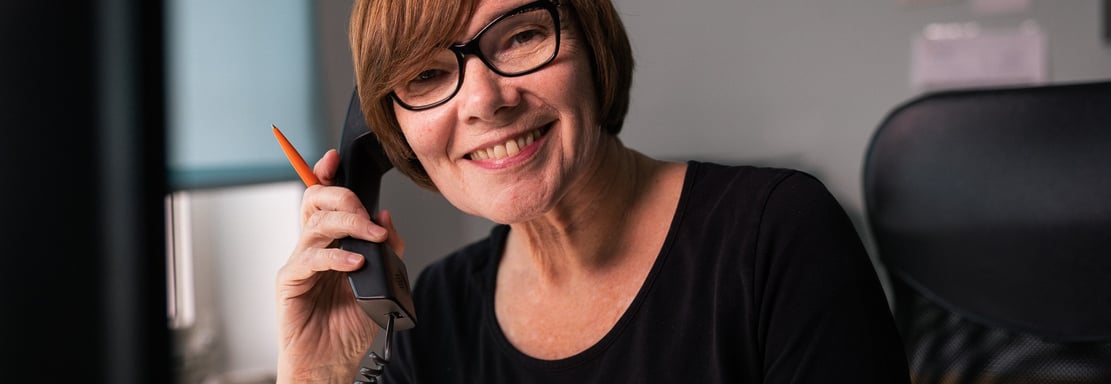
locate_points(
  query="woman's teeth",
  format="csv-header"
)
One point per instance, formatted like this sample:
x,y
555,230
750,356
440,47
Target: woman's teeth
x,y
510,148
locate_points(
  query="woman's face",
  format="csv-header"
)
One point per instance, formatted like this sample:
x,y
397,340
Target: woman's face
x,y
508,148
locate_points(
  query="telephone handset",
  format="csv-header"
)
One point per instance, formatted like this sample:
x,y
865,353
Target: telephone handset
x,y
381,286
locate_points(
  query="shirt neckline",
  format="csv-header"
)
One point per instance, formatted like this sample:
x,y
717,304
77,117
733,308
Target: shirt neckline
x,y
489,277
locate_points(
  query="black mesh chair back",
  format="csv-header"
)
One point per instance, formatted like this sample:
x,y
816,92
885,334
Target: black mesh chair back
x,y
991,211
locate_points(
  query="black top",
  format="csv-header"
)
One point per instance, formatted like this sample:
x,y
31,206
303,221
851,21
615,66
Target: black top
x,y
762,279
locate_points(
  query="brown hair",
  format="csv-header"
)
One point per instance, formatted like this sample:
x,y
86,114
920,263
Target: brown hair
x,y
390,37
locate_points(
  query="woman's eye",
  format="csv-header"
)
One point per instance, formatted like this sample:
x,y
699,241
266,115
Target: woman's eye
x,y
524,37
428,75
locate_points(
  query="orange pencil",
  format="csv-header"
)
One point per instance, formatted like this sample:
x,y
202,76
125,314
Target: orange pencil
x,y
295,159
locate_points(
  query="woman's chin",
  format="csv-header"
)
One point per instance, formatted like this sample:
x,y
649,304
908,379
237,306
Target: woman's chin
x,y
512,209
512,215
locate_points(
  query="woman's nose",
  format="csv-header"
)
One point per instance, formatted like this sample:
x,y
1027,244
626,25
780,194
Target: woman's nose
x,y
484,94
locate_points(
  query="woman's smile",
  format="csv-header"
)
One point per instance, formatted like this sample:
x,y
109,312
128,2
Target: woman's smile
x,y
510,151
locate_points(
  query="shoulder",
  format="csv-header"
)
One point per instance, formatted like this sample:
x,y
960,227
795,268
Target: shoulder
x,y
767,206
751,189
778,201
752,178
742,210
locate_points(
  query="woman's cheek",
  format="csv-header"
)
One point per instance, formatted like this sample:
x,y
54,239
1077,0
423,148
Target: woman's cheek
x,y
427,137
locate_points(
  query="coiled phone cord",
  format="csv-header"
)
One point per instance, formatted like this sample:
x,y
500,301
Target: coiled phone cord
x,y
371,375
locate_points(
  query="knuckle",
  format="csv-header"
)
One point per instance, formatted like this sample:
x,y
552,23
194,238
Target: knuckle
x,y
336,256
349,221
318,261
351,202
315,221
308,200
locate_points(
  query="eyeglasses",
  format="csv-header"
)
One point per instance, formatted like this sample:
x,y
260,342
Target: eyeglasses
x,y
517,43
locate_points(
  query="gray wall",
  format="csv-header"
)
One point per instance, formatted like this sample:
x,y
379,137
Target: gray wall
x,y
803,83
790,83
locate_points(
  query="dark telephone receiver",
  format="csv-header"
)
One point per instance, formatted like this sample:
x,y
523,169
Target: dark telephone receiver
x,y
381,286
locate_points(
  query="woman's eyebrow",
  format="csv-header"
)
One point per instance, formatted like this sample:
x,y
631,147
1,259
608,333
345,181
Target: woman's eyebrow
x,y
490,20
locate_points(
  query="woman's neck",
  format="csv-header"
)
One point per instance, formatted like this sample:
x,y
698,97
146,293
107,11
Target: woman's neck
x,y
585,233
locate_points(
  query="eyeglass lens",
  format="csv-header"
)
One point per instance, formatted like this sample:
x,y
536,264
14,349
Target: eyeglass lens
x,y
513,45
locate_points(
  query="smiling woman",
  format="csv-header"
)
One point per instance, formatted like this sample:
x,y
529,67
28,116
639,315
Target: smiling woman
x,y
605,265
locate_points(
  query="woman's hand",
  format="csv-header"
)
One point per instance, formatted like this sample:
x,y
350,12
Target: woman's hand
x,y
323,333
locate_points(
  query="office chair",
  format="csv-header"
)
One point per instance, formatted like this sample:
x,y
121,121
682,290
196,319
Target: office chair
x,y
991,211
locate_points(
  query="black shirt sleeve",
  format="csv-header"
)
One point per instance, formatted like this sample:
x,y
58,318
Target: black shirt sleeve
x,y
823,317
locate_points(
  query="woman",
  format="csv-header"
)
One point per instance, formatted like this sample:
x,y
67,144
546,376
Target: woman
x,y
608,265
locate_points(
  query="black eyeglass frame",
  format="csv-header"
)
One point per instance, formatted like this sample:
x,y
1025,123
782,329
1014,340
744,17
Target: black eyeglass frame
x,y
471,48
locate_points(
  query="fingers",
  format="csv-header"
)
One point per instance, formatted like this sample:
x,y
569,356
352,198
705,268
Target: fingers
x,y
394,240
323,227
305,264
333,199
316,251
325,168
329,213
325,198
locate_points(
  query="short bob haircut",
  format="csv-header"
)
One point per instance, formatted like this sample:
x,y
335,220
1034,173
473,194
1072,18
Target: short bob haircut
x,y
389,38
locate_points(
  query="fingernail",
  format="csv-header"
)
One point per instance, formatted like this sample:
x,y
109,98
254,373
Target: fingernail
x,y
378,232
354,259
